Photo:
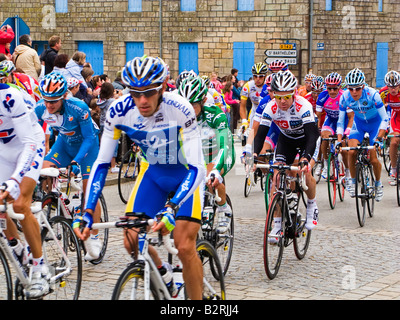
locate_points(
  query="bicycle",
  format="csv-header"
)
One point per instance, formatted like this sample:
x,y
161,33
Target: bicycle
x,y
292,223
141,279
385,152
222,241
389,136
128,172
60,252
68,204
251,177
269,174
365,181
335,173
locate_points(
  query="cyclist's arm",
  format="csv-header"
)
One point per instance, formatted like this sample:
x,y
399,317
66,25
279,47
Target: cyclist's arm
x,y
88,134
226,154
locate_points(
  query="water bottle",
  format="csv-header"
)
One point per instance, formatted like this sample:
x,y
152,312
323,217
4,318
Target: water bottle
x,y
76,205
291,200
166,273
208,214
178,279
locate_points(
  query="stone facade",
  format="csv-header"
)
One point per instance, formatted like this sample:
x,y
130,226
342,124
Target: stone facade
x,y
349,32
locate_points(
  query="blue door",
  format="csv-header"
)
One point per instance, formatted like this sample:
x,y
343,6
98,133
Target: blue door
x,y
382,51
40,46
188,56
243,59
134,49
94,54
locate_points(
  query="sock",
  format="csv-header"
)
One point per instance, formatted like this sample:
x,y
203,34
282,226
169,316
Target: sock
x,y
37,264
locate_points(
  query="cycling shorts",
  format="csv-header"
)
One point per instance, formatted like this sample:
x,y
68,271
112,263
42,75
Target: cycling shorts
x,y
152,188
360,128
287,149
62,153
330,124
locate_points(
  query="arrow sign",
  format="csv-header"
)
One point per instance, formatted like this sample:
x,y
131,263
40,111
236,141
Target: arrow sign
x,y
287,60
280,53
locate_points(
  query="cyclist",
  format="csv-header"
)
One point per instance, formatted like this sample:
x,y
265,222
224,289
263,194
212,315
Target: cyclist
x,y
294,117
328,101
217,141
308,79
163,124
369,116
391,98
21,158
77,143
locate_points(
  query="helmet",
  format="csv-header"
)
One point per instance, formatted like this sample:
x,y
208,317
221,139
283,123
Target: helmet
x,y
53,85
309,77
259,68
317,84
206,79
355,78
183,75
6,67
144,71
193,89
268,80
392,78
278,65
72,82
333,79
284,81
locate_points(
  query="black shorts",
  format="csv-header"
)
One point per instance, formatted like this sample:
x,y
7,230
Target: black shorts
x,y
287,149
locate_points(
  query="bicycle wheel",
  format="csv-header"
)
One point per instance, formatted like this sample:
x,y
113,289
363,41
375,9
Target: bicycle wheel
x,y
386,155
360,194
302,237
50,206
274,237
247,185
130,284
66,287
267,190
213,286
370,188
317,168
331,180
5,278
102,233
127,174
341,177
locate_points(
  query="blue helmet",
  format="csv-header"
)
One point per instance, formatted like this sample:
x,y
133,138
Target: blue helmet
x,y
144,71
355,78
53,85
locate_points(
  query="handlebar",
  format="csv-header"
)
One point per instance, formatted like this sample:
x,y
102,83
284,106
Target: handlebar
x,y
358,148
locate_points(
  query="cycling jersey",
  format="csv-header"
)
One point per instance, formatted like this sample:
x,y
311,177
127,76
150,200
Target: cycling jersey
x,y
260,108
216,139
28,83
392,103
78,136
21,137
252,92
172,156
369,111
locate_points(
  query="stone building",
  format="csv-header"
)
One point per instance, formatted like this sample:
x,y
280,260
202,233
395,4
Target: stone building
x,y
217,35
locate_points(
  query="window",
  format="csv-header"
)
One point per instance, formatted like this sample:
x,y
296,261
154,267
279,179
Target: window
x,y
134,5
328,5
188,56
134,49
243,59
245,5
188,5
61,6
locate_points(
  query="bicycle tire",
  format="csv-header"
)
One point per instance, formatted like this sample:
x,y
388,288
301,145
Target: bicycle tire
x,y
370,187
341,178
273,246
267,189
213,286
360,195
247,186
50,206
386,155
302,238
66,288
331,180
6,285
133,274
127,174
317,177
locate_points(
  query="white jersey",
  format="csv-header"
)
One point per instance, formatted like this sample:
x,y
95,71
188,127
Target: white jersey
x,y
21,137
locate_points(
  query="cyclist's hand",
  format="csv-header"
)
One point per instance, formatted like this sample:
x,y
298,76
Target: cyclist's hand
x,y
85,221
378,144
244,125
216,180
11,190
75,168
165,221
247,152
304,166
338,145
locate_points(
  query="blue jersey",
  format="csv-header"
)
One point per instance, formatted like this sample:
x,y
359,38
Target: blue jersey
x,y
368,109
74,124
260,109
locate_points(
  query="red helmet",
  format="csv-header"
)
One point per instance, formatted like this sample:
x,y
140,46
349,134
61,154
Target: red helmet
x,y
278,65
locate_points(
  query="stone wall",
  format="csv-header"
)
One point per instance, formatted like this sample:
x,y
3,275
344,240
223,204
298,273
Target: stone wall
x,y
349,37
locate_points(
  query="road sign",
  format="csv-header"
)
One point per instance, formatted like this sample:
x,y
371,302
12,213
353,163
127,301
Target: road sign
x,y
281,53
320,46
287,60
287,46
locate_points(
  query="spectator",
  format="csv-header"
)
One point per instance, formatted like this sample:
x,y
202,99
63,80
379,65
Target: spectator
x,y
49,55
234,115
6,36
75,66
26,58
60,62
235,73
73,87
118,84
215,83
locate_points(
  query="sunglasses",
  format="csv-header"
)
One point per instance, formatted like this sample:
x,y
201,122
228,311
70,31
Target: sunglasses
x,y
147,93
286,97
51,101
259,76
332,88
355,89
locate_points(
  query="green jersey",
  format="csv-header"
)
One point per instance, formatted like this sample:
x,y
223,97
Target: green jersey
x,y
217,139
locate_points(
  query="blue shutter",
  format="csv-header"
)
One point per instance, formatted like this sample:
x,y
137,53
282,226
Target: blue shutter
x,y
243,59
94,54
134,5
134,49
188,5
245,5
382,53
328,5
380,5
188,56
61,6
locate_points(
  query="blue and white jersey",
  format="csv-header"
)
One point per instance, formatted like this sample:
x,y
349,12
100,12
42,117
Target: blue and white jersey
x,y
368,109
169,139
260,109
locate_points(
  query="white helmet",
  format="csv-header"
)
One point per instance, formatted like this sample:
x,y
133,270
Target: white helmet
x,y
284,81
392,78
355,78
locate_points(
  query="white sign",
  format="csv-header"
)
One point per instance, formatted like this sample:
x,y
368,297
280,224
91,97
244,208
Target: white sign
x,y
280,53
287,60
